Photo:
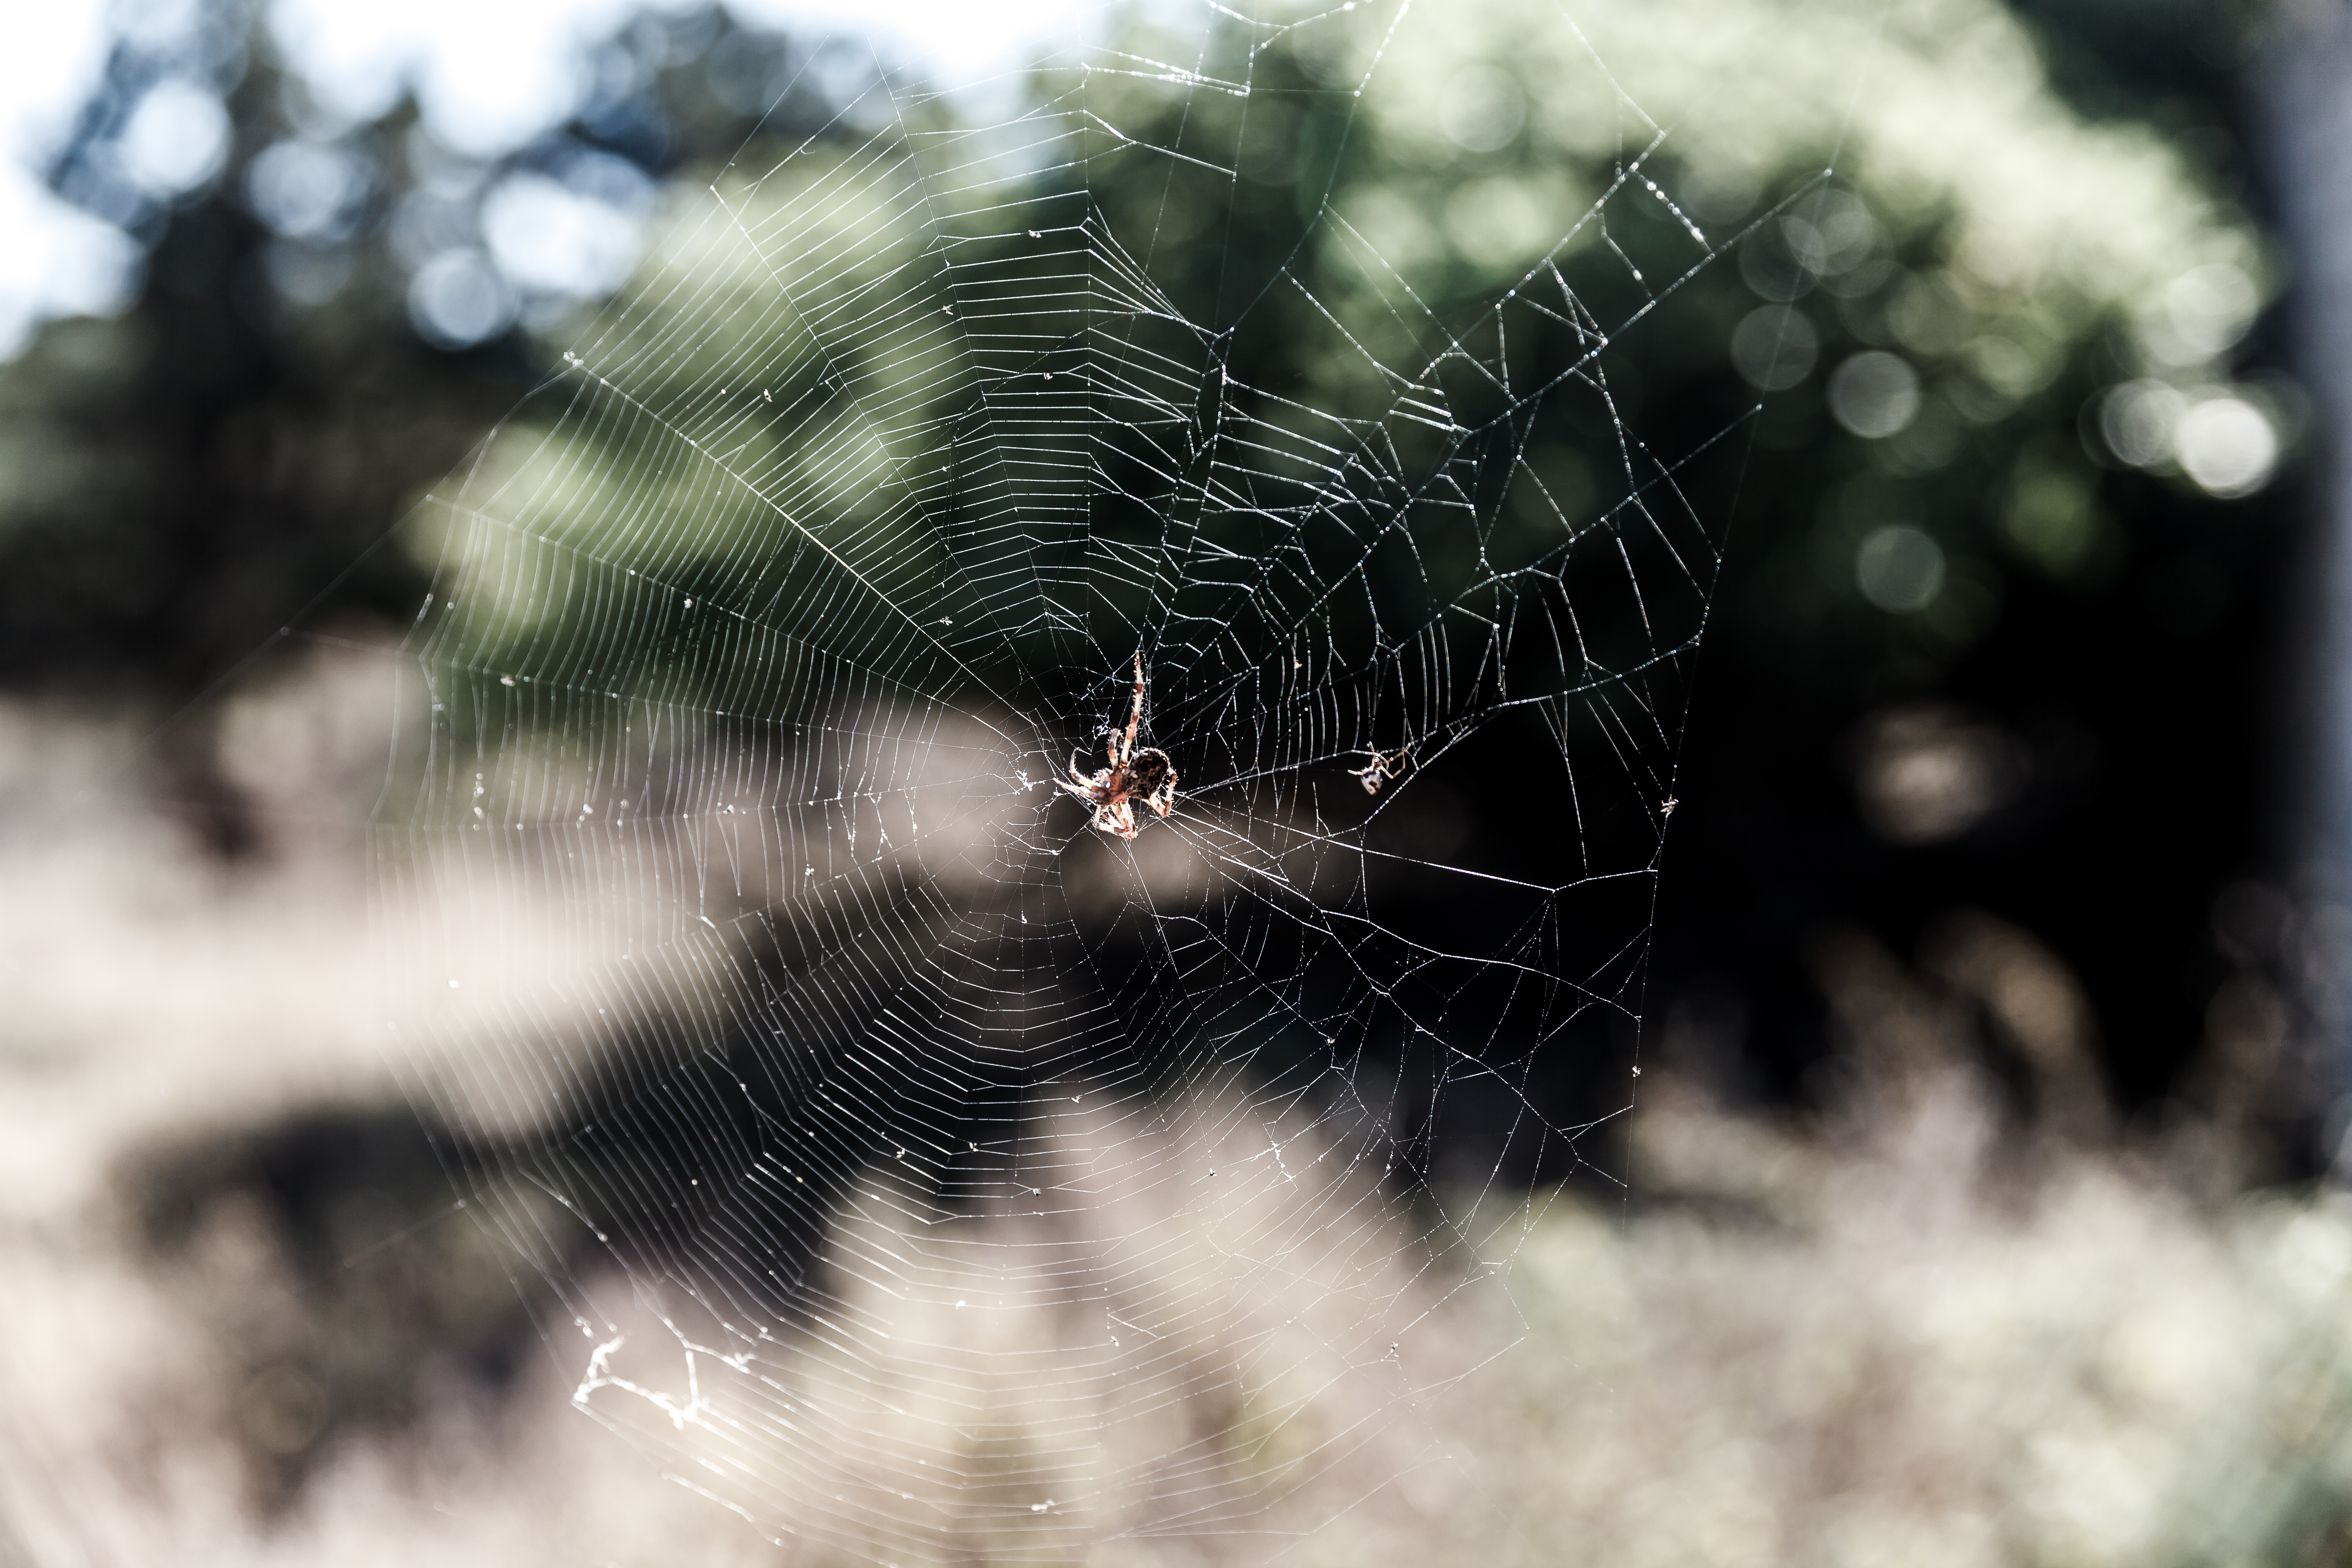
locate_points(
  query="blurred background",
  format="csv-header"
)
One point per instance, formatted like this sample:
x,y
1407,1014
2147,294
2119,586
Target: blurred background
x,y
1981,1195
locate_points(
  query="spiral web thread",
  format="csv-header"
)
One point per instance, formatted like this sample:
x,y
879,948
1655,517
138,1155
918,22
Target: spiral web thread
x,y
916,1170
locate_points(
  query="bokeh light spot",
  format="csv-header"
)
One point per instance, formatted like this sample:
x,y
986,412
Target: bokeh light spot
x,y
177,139
2227,445
1775,347
1899,569
458,300
1874,394
1481,109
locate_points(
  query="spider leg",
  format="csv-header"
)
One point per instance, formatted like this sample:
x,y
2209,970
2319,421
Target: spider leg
x,y
1135,718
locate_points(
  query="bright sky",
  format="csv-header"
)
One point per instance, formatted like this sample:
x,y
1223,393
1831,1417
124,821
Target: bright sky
x,y
56,261
488,76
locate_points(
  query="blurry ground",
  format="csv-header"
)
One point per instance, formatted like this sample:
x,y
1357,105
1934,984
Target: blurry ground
x,y
1964,1319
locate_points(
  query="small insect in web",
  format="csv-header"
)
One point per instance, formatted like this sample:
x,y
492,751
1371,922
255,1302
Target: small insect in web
x,y
1146,775
1384,766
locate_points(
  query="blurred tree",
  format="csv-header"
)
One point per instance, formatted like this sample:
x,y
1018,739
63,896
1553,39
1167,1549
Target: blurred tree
x,y
309,350
1994,630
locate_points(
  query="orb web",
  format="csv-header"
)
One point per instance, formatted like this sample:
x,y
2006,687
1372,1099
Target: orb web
x,y
911,1166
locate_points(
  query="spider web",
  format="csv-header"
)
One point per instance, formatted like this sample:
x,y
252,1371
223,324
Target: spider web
x,y
917,1171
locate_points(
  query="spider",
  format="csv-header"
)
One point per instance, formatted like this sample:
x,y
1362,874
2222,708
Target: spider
x,y
1146,775
1383,767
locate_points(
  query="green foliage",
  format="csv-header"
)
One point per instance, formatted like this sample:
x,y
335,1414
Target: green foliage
x,y
1321,201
